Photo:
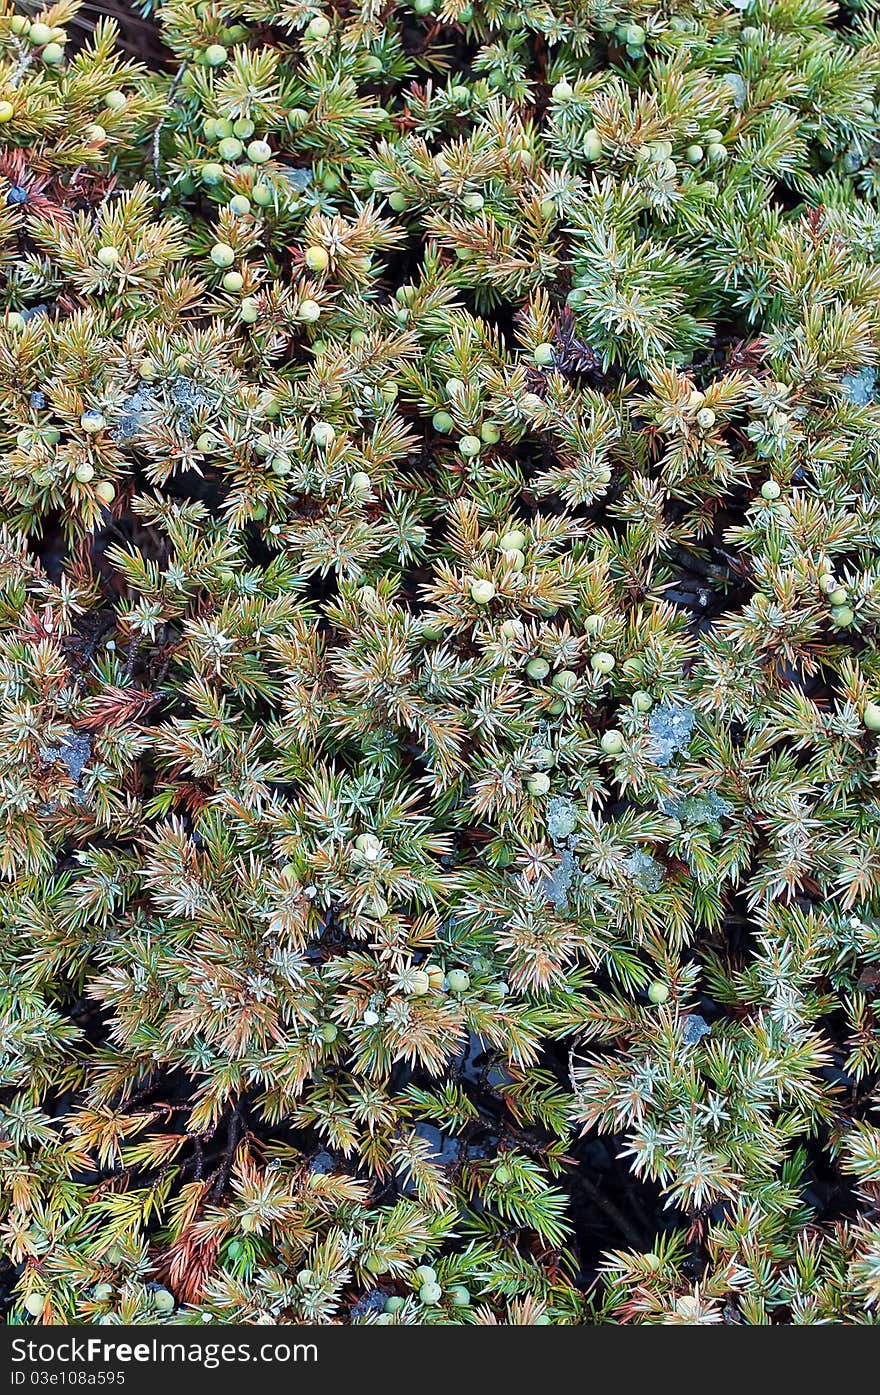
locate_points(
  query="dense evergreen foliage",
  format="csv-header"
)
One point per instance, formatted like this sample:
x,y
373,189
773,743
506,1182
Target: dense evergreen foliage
x,y
439,668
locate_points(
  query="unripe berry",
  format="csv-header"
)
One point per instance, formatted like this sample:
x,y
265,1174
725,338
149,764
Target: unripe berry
x,y
470,446
309,311
871,716
512,541
435,976
361,483
543,354
259,151
262,195
212,173
222,254
317,259
233,281
537,668
770,490
592,146
369,846
92,422
39,33
562,90
459,1296
108,257
115,100
612,743
490,433
430,1294
602,662
329,1033
7,111
323,434
642,701
838,596
705,418
658,992
318,28
229,148
215,55
52,55
105,491
425,1274
163,1300
539,783
419,983
694,154
482,592
458,981
34,1304
442,422
84,473
249,310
